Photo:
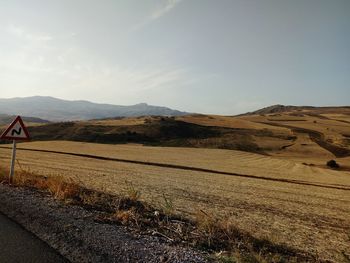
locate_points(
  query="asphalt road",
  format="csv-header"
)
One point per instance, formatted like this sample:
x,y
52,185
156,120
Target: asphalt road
x,y
17,245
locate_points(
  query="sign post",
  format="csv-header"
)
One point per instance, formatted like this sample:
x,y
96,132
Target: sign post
x,y
13,160
16,131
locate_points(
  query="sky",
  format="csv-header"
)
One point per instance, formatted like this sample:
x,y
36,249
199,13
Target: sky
x,y
206,56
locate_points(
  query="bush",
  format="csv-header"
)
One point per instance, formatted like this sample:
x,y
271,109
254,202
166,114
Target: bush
x,y
333,164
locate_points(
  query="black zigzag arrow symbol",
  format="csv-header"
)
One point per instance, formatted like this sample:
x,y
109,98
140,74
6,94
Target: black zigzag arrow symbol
x,y
17,132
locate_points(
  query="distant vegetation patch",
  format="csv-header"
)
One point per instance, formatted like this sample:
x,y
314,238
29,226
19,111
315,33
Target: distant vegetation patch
x,y
332,164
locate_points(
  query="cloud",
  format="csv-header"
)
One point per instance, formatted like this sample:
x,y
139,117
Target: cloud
x,y
158,13
161,11
22,33
63,66
29,51
129,81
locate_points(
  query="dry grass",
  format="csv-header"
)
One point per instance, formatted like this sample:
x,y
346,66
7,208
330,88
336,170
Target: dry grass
x,y
335,127
56,185
304,150
215,159
117,122
331,125
338,116
311,219
132,193
226,121
208,232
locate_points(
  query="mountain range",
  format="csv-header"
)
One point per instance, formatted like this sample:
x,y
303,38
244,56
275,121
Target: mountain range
x,y
53,109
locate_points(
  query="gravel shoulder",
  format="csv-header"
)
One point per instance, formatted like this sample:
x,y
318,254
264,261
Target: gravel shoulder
x,y
76,234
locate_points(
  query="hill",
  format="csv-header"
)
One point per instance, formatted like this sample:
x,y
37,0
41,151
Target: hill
x,y
54,109
311,135
163,131
289,108
7,119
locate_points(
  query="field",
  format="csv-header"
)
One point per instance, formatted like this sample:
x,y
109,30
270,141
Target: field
x,y
285,194
318,135
310,218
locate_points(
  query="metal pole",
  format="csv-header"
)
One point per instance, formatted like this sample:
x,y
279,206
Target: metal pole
x,y
12,170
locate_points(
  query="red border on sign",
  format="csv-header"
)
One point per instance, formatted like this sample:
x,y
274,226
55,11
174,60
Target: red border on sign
x,y
18,119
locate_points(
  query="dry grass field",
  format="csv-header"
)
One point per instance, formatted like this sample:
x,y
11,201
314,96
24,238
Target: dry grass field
x,y
314,219
333,125
282,191
117,121
226,121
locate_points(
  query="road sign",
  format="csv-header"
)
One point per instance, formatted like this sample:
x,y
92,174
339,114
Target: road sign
x,y
16,131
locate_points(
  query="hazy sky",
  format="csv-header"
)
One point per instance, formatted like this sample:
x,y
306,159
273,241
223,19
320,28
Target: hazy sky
x,y
218,56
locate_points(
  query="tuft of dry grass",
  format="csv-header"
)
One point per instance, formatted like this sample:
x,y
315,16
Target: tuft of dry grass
x,y
132,192
168,205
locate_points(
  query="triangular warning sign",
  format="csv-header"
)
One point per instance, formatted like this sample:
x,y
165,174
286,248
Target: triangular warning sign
x,y
16,131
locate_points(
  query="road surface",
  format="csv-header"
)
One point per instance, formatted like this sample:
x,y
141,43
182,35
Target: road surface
x,y
17,245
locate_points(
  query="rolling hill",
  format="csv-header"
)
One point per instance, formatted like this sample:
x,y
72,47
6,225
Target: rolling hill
x,y
305,134
278,108
7,119
54,109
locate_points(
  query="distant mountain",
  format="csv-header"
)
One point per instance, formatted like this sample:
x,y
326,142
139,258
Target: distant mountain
x,y
7,119
54,109
275,109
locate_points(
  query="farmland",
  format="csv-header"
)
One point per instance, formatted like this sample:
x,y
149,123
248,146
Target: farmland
x,y
309,218
283,192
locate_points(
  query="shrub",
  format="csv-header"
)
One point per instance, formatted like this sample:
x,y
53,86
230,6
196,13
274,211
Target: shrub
x,y
333,164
